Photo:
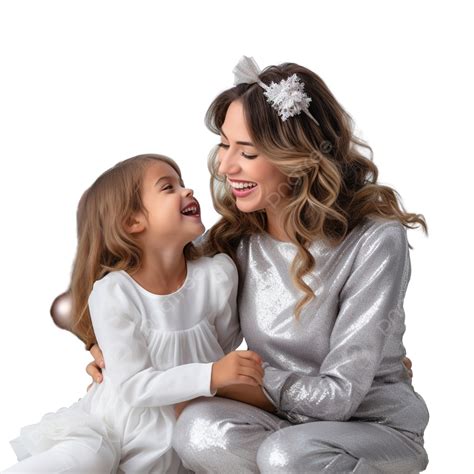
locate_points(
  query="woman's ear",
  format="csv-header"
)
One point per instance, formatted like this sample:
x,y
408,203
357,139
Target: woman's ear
x,y
135,224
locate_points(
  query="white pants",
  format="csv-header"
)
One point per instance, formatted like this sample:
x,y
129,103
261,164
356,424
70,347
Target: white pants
x,y
69,457
75,457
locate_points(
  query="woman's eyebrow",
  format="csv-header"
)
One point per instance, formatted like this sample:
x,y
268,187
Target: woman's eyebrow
x,y
239,142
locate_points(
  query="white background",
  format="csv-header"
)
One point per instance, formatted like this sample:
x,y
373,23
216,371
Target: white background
x,y
86,84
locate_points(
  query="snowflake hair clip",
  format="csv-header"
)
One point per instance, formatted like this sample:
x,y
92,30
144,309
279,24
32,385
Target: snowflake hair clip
x,y
287,97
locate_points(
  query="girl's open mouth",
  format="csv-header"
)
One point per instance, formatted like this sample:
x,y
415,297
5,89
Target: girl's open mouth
x,y
192,210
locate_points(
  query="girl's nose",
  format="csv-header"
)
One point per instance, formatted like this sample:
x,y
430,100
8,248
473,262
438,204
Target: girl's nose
x,y
188,192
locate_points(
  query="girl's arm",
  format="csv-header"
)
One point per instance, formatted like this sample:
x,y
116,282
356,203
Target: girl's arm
x,y
117,325
227,321
116,321
371,305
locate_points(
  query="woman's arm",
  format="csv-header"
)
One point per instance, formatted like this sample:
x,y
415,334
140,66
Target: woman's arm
x,y
242,393
249,394
370,311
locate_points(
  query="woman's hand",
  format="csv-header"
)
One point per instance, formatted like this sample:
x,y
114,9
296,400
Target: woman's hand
x,y
407,363
94,369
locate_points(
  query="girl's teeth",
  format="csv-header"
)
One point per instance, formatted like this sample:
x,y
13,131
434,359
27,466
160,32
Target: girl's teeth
x,y
190,210
243,185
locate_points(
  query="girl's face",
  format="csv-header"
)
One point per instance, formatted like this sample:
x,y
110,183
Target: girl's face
x,y
165,198
256,183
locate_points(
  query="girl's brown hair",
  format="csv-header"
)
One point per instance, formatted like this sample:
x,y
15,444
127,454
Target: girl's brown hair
x,y
103,244
332,185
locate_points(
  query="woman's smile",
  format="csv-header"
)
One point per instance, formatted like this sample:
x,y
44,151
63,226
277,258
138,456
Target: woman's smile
x,y
241,188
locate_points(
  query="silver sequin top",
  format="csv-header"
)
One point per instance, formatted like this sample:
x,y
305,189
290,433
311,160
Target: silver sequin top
x,y
343,360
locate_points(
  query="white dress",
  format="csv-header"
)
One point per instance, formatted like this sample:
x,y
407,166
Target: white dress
x,y
158,351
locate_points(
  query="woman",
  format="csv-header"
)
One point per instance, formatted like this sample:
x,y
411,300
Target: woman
x,y
324,265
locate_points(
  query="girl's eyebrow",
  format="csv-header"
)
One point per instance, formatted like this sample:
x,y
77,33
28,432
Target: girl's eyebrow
x,y
239,142
170,178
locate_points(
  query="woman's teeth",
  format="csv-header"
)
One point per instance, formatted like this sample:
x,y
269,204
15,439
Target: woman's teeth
x,y
238,185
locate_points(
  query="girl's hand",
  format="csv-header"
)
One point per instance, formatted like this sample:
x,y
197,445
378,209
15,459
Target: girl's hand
x,y
407,363
94,369
237,367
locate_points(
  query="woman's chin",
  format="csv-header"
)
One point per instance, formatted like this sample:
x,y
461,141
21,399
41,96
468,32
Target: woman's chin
x,y
248,207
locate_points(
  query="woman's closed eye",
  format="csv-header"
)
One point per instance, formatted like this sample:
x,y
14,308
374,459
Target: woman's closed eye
x,y
242,153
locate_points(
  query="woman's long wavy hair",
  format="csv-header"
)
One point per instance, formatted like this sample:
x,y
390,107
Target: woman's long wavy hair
x,y
332,186
103,243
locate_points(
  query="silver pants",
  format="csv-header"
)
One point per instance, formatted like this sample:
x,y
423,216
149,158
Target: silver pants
x,y
217,435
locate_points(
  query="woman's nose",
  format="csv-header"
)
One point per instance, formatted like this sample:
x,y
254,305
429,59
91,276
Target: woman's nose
x,y
227,164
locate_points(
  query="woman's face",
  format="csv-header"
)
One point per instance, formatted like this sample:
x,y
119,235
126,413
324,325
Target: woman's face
x,y
255,182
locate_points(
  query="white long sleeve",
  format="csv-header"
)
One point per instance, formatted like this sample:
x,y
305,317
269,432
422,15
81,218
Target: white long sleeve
x,y
116,321
227,322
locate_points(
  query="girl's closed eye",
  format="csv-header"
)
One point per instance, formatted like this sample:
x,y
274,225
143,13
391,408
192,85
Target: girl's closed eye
x,y
170,186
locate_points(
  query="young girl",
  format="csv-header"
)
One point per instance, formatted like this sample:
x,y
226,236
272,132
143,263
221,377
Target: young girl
x,y
162,318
